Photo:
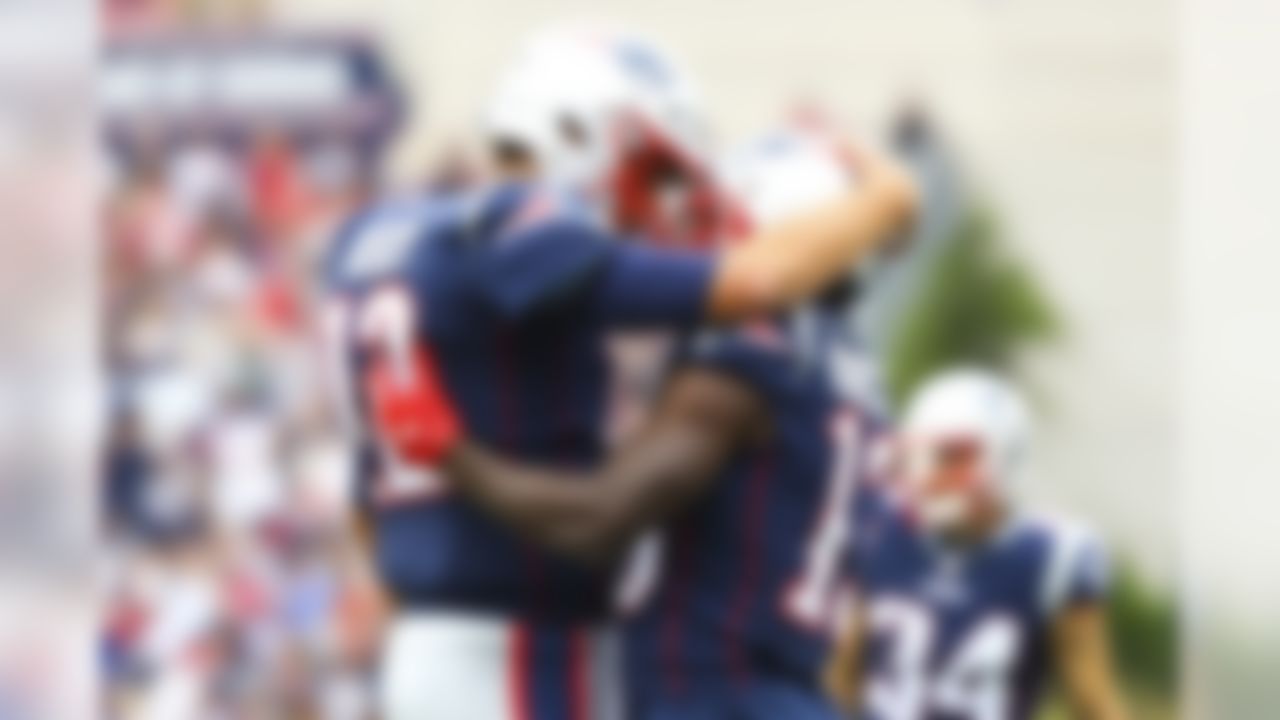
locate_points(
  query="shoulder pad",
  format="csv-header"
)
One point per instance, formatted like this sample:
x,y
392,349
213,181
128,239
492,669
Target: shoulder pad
x,y
379,241
1075,556
513,212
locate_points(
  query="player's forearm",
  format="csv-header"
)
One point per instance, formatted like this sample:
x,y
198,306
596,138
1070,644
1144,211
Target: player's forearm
x,y
572,513
594,515
799,257
1094,695
1095,699
1084,661
1102,709
700,419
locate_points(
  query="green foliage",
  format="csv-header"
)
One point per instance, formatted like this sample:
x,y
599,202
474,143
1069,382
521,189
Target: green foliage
x,y
976,305
1144,630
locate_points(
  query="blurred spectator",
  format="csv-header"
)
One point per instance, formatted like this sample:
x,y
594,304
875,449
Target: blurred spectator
x,y
245,482
203,179
276,184
149,225
127,473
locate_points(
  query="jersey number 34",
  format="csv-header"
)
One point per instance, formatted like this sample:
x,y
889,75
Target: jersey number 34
x,y
973,682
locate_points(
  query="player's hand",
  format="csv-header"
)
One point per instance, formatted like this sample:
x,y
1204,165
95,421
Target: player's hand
x,y
411,409
867,162
860,159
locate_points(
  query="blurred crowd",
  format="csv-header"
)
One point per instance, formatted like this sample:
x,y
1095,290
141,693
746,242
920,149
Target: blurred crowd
x,y
235,588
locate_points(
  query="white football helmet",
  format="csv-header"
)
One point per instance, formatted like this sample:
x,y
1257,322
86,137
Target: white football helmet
x,y
786,172
970,418
606,112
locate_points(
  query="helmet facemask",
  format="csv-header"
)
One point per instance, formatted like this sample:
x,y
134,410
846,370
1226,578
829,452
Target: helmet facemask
x,y
962,451
947,480
655,188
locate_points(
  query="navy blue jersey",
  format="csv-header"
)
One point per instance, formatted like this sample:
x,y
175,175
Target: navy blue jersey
x,y
513,291
965,635
762,698
750,572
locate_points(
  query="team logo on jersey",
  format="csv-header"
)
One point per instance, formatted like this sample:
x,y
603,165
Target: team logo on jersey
x,y
384,242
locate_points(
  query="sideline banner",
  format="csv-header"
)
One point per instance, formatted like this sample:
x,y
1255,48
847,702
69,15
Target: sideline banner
x,y
309,84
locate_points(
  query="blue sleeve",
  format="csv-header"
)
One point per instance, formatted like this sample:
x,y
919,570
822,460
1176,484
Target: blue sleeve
x,y
1090,575
1079,570
757,353
550,265
545,253
642,285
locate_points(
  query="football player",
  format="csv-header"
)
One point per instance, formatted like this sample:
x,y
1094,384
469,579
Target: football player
x,y
748,460
507,294
966,602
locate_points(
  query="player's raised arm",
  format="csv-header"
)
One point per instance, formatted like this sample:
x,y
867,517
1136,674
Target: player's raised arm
x,y
781,264
799,256
700,420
